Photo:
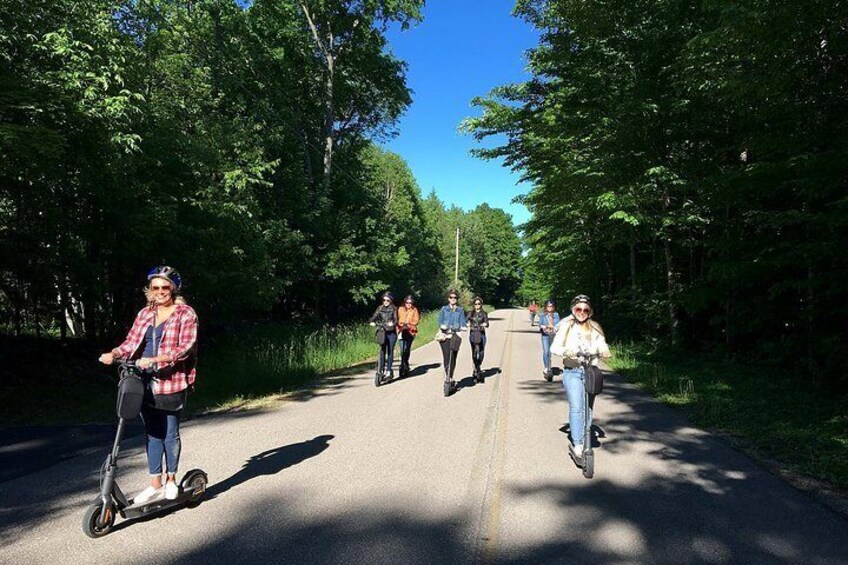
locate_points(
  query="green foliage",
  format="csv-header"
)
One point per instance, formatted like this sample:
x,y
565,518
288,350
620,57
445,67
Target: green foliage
x,y
133,133
688,163
489,251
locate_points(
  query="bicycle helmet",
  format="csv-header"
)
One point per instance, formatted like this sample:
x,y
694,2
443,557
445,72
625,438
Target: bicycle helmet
x,y
550,302
388,295
166,272
581,298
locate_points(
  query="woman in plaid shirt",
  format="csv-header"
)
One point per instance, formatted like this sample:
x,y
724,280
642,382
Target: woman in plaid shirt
x,y
163,341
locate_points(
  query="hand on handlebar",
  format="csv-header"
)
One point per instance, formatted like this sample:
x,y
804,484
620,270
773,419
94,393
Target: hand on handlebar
x,y
372,324
146,363
107,358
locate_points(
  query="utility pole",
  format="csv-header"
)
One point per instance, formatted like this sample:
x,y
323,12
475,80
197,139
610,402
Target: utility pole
x,y
456,265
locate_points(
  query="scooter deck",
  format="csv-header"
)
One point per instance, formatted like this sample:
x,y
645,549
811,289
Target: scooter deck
x,y
156,503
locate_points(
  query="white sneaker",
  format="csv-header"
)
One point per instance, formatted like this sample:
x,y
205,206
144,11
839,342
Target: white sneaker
x,y
145,495
172,491
578,450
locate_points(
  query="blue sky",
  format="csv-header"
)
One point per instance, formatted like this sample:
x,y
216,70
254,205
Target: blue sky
x,y
462,49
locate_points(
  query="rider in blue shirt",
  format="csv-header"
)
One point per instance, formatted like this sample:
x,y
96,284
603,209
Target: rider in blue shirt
x,y
548,320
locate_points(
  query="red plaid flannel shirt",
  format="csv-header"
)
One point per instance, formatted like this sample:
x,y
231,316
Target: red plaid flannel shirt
x,y
179,341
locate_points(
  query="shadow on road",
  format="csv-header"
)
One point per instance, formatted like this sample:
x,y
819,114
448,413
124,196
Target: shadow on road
x,y
598,433
422,370
272,462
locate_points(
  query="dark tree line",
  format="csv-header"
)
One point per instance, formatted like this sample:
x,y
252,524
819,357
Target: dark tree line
x,y
234,140
689,163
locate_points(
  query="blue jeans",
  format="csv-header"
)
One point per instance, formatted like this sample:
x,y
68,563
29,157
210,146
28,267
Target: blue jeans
x,y
387,353
406,340
572,382
546,350
162,435
478,350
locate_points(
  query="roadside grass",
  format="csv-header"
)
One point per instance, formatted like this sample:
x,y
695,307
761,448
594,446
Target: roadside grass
x,y
55,383
254,367
771,411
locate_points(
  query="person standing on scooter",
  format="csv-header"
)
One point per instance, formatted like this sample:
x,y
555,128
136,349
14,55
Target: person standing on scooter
x,y
451,320
408,318
163,341
478,321
548,321
385,318
578,335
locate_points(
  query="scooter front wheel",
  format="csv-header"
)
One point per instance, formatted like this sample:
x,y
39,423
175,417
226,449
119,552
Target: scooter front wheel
x,y
378,378
92,525
448,388
588,464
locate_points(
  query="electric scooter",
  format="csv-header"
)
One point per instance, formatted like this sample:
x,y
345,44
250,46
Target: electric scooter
x,y
100,516
586,461
382,376
450,384
475,350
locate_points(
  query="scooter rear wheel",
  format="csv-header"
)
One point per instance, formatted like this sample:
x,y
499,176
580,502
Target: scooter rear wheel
x,y
91,524
197,480
448,388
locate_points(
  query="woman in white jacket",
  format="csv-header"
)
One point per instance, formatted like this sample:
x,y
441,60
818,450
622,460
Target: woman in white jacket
x,y
578,335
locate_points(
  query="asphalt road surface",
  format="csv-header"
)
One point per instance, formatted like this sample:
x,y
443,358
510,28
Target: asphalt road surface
x,y
351,473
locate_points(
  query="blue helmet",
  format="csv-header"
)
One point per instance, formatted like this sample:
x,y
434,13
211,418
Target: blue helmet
x,y
166,272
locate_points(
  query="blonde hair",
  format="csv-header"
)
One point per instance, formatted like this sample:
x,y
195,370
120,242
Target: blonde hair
x,y
148,294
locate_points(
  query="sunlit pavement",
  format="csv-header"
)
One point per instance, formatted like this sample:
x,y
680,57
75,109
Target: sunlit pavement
x,y
400,474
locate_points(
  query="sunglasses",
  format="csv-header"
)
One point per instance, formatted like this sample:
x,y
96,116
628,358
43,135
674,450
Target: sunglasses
x,y
583,310
168,287
408,302
478,304
387,300
451,297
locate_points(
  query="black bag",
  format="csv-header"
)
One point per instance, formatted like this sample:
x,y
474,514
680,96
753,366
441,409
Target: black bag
x,y
455,342
131,391
380,336
476,337
593,379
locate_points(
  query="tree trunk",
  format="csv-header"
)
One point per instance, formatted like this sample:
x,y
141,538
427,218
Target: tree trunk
x,y
633,268
671,281
329,118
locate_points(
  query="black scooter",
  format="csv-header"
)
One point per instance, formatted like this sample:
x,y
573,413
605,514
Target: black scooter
x,y
586,461
100,516
450,384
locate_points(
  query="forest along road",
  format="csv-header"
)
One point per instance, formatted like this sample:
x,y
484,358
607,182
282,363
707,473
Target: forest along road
x,y
352,473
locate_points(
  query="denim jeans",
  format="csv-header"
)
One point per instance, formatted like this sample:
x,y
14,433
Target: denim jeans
x,y
546,350
478,350
162,437
406,340
572,382
387,353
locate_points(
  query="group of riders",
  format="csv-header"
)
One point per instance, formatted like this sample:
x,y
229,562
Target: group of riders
x,y
163,343
401,324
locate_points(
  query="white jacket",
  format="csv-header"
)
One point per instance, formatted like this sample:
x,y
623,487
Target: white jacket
x,y
569,341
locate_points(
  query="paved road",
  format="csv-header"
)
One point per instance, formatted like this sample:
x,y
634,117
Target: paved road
x,y
400,474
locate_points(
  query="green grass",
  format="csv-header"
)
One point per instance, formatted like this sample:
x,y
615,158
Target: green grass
x,y
270,359
242,369
773,411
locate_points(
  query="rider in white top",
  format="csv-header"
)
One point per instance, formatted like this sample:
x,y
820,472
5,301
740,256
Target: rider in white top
x,y
578,335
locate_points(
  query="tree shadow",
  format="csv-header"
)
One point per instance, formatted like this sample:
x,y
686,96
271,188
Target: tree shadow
x,y
271,462
598,433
